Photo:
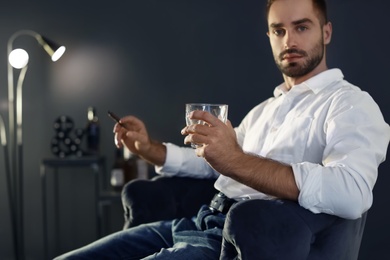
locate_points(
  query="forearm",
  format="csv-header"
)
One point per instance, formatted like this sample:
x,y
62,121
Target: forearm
x,y
265,175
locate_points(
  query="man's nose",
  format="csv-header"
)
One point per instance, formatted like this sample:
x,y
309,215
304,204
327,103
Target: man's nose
x,y
290,40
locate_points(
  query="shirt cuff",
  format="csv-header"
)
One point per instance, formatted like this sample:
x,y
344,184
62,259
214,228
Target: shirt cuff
x,y
173,161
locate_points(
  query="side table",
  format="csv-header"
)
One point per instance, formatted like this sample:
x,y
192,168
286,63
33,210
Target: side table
x,y
97,165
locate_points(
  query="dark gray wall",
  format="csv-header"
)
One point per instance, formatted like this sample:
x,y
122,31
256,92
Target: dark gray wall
x,y
149,58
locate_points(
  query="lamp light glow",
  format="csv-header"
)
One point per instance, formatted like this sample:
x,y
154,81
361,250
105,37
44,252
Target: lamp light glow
x,y
58,53
18,58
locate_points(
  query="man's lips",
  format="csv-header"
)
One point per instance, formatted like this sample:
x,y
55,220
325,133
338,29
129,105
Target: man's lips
x,y
291,56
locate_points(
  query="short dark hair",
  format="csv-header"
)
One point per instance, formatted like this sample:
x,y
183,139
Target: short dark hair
x,y
320,5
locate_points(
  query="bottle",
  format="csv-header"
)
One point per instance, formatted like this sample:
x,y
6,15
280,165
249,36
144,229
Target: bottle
x,y
124,169
92,132
130,165
117,178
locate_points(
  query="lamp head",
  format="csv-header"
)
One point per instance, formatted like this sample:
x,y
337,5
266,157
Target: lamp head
x,y
53,49
18,58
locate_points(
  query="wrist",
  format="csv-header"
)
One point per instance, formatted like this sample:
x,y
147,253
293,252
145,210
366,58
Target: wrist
x,y
235,163
155,154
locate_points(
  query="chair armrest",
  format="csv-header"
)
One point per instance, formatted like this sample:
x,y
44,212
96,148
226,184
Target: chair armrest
x,y
164,198
252,227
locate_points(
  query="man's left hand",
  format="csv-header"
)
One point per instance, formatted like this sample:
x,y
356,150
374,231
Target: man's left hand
x,y
215,140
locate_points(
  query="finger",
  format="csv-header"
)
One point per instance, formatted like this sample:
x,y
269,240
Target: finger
x,y
205,116
131,123
120,134
184,131
228,123
187,139
196,139
117,140
199,151
117,128
198,129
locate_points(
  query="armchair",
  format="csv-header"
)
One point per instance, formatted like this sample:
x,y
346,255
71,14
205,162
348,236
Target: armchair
x,y
164,198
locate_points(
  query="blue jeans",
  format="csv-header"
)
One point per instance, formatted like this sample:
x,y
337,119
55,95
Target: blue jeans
x,y
199,238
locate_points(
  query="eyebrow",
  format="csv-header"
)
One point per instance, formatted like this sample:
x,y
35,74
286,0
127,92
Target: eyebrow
x,y
300,21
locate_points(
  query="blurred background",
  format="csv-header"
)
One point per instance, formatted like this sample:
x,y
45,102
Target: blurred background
x,y
148,58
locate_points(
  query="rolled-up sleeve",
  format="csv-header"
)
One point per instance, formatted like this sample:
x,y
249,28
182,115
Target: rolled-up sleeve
x,y
332,190
356,143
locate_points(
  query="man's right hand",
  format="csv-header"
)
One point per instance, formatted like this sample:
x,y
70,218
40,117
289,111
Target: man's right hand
x,y
135,137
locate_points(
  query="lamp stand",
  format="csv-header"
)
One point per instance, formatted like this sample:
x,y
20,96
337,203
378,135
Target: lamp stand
x,y
14,150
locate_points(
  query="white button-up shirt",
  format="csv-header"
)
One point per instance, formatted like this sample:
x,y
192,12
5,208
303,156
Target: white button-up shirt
x,y
330,132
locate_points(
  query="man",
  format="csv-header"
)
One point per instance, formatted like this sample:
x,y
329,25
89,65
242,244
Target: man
x,y
317,142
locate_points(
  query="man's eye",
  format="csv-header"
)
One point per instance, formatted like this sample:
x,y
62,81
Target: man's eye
x,y
302,28
278,32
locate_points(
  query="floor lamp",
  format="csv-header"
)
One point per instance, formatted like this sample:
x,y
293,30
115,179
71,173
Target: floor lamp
x,y
13,149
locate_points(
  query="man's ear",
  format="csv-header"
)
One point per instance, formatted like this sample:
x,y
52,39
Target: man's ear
x,y
268,33
327,33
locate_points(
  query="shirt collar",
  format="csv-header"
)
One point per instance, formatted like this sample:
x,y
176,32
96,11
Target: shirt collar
x,y
315,84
